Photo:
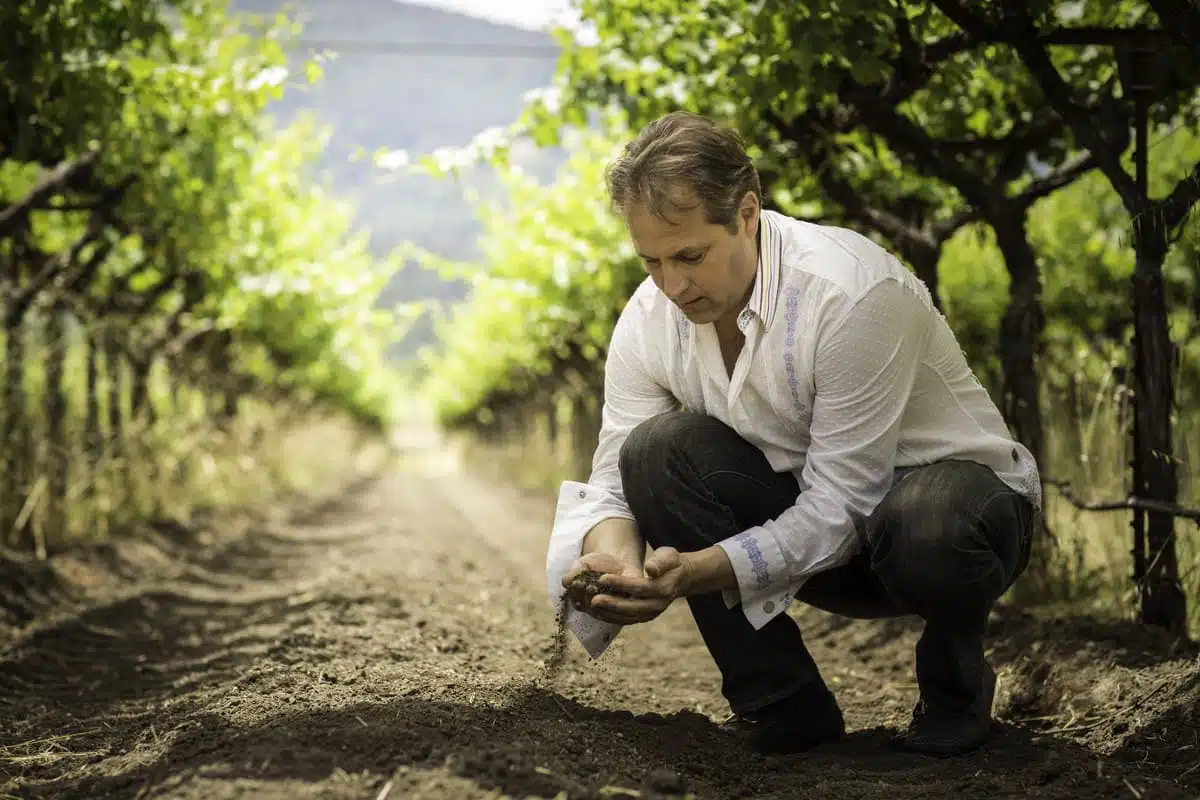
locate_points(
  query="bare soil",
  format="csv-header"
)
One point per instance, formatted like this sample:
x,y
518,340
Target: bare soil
x,y
397,643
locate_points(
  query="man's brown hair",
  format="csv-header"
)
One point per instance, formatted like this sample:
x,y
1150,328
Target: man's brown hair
x,y
679,152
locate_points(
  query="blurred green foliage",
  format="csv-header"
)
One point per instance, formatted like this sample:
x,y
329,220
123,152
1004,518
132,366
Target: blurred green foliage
x,y
220,229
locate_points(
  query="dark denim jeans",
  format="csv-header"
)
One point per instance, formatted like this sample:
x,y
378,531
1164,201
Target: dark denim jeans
x,y
944,544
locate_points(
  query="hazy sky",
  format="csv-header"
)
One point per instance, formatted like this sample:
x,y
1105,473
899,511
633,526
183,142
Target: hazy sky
x,y
534,14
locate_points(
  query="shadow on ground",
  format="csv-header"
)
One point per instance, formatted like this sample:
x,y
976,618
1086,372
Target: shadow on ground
x,y
542,744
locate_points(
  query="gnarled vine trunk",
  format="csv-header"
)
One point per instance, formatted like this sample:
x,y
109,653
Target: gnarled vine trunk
x,y
1156,568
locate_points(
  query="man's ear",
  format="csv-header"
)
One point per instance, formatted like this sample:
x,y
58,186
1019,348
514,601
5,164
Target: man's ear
x,y
748,212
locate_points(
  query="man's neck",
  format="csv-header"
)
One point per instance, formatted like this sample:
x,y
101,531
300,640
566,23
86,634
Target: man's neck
x,y
732,317
728,324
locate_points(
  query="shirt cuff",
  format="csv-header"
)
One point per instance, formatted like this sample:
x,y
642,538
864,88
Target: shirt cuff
x,y
764,585
580,508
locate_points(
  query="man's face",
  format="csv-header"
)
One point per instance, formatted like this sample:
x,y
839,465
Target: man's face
x,y
704,269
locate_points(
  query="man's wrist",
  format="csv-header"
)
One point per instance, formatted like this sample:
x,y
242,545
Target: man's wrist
x,y
705,571
617,537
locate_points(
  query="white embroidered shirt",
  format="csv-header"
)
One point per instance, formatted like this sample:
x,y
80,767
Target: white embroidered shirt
x,y
848,372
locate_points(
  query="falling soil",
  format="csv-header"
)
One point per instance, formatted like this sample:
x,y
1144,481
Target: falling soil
x,y
557,657
398,643
589,580
558,653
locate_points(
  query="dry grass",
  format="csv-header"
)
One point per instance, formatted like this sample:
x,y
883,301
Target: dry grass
x,y
267,456
47,750
169,463
1094,563
181,466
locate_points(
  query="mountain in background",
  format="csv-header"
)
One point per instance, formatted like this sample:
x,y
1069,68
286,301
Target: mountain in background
x,y
413,78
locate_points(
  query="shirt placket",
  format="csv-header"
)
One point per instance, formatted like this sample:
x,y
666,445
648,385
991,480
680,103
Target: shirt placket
x,y
741,368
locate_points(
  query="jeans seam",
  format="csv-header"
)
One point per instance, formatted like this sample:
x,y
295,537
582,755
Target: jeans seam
x,y
1024,531
705,478
982,507
703,486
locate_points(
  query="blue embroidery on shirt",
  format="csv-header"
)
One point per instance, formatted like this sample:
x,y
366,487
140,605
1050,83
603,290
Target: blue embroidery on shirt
x,y
789,359
762,574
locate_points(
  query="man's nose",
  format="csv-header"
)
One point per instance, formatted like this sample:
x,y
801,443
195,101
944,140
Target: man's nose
x,y
675,283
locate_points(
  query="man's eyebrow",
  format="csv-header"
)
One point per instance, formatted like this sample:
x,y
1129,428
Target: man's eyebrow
x,y
694,249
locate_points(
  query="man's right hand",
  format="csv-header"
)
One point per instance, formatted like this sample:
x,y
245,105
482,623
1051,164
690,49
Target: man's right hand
x,y
614,545
580,593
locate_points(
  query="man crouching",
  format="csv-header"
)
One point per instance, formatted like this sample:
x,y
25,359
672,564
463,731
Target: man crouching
x,y
787,416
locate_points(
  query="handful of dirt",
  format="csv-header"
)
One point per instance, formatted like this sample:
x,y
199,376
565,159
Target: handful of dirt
x,y
590,580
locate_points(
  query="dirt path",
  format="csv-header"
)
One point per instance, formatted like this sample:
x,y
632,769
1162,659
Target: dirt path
x,y
388,645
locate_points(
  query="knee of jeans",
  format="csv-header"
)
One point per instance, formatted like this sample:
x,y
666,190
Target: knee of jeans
x,y
649,451
927,516
937,567
902,549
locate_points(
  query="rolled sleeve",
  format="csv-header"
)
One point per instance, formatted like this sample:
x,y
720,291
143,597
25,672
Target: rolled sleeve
x,y
580,508
631,396
867,359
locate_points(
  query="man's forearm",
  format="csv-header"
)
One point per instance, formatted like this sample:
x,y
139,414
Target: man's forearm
x,y
707,570
618,537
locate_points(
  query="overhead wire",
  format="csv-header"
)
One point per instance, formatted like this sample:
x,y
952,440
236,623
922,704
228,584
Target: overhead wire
x,y
415,48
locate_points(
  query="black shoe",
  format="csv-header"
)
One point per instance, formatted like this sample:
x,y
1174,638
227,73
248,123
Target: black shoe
x,y
941,731
798,722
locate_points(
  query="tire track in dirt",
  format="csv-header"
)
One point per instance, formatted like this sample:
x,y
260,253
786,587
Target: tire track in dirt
x,y
394,640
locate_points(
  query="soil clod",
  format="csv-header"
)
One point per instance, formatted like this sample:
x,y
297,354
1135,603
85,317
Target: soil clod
x,y
590,581
666,781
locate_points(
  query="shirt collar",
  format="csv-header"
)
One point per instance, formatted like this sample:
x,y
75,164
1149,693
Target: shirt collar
x,y
765,294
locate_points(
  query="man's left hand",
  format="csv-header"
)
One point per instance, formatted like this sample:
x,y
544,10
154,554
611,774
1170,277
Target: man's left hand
x,y
666,575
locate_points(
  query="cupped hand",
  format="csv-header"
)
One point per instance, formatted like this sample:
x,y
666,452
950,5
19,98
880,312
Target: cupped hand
x,y
647,594
580,593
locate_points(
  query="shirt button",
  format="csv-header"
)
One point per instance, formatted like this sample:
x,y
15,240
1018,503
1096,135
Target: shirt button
x,y
582,493
768,606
